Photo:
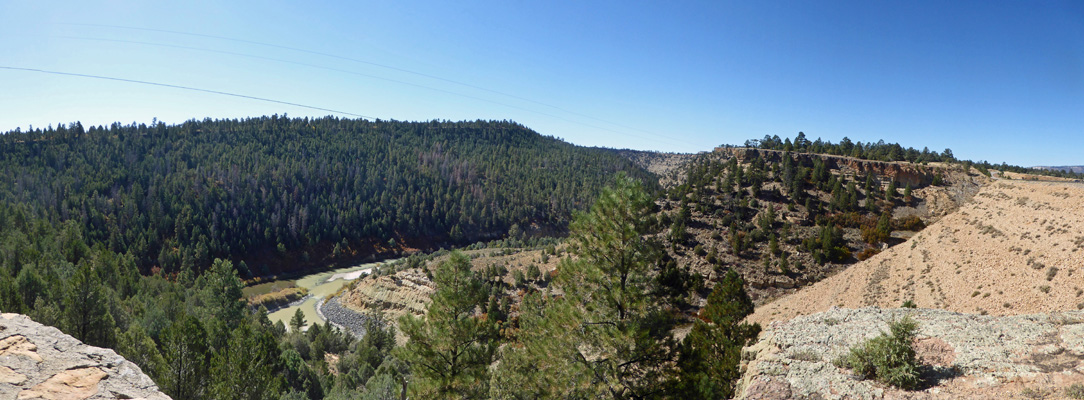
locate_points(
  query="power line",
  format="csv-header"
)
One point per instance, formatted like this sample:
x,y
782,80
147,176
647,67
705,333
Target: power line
x,y
390,67
184,88
669,140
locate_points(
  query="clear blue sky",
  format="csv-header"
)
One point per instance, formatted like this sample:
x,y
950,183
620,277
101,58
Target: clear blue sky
x,y
992,80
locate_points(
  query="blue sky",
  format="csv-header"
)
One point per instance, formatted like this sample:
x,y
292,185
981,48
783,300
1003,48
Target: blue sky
x,y
992,80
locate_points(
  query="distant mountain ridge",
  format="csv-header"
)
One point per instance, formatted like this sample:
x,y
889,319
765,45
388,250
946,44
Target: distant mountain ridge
x,y
1076,169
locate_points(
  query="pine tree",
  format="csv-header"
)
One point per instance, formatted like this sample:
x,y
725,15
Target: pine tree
x,y
297,321
185,352
86,312
136,346
608,336
711,352
244,368
451,348
884,226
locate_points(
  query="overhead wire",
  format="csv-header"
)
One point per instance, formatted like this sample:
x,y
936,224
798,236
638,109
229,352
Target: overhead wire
x,y
218,92
394,68
360,74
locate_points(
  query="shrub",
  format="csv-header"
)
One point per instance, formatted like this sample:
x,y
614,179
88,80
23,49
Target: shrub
x,y
699,250
1029,393
1075,391
889,358
867,253
911,223
279,298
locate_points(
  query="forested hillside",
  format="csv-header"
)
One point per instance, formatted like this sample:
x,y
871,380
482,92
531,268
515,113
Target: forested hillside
x,y
784,220
278,191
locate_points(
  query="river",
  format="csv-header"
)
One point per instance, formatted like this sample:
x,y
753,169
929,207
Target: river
x,y
321,285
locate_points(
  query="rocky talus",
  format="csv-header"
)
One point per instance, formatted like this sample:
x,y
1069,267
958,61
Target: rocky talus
x,y
40,362
966,356
348,320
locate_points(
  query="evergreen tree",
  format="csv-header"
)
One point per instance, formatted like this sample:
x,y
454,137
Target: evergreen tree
x,y
136,346
245,368
297,321
608,336
884,226
451,348
86,312
185,352
851,203
711,352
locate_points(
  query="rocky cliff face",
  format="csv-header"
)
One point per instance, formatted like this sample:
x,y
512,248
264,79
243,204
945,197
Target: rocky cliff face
x,y
405,292
40,362
903,173
966,356
669,167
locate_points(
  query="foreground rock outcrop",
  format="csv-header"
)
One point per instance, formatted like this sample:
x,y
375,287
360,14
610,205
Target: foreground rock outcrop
x,y
967,356
40,362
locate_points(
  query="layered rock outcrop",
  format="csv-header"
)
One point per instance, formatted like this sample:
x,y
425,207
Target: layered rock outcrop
x,y
41,362
903,173
967,356
404,292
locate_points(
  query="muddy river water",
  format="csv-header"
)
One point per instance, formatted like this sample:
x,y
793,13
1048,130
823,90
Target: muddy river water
x,y
321,285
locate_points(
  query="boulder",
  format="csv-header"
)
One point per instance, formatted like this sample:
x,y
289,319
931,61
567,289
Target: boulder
x,y
41,362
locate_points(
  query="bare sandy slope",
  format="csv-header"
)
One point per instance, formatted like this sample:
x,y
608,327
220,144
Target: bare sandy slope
x,y
1017,248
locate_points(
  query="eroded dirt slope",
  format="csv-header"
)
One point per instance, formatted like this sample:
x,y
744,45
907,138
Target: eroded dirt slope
x,y
1017,248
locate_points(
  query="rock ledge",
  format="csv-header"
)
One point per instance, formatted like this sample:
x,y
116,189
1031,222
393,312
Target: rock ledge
x,y
969,356
40,362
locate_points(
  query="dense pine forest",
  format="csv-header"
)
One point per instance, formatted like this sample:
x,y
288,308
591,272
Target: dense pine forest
x,y
176,197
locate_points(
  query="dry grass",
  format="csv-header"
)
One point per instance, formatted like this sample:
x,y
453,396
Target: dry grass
x,y
278,298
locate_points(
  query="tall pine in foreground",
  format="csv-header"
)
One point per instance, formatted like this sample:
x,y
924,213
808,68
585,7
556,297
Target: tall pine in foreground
x,y
711,353
450,350
607,335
